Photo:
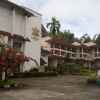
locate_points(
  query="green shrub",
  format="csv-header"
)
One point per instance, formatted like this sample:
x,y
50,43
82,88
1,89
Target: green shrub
x,y
72,68
7,82
86,72
35,74
92,78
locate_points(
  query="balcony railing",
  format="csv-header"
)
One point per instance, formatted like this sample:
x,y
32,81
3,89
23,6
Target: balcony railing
x,y
58,52
81,55
75,55
97,55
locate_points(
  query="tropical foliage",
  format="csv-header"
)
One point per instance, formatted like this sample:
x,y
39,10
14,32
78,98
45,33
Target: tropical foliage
x,y
85,38
54,26
35,33
97,39
9,60
68,36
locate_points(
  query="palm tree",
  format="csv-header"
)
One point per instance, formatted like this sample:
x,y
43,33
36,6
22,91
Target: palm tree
x,y
54,26
97,39
85,38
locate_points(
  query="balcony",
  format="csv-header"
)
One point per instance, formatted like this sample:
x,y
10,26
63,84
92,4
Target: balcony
x,y
80,56
57,52
74,55
97,55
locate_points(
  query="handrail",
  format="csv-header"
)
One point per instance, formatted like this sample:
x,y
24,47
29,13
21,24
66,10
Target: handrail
x,y
76,54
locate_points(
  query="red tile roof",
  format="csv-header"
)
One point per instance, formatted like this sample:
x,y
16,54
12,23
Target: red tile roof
x,y
58,40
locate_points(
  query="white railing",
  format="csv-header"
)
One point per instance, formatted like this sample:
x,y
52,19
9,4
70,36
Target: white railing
x,y
58,52
75,55
97,55
81,55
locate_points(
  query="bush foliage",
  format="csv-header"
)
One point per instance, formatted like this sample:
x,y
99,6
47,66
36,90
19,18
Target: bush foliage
x,y
7,82
33,74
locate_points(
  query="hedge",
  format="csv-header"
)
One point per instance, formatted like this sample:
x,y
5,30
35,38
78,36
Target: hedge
x,y
4,83
33,74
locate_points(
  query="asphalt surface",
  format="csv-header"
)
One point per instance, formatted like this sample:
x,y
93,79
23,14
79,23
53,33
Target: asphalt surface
x,y
53,88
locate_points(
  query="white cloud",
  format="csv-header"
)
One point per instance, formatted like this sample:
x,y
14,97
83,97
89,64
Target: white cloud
x,y
81,16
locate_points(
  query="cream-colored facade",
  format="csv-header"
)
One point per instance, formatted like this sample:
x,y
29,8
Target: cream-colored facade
x,y
87,54
19,20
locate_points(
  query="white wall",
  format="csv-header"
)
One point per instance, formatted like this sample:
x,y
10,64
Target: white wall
x,y
44,42
33,48
19,27
17,23
5,18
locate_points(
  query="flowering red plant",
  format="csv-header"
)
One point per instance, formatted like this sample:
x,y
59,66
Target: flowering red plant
x,y
12,58
19,57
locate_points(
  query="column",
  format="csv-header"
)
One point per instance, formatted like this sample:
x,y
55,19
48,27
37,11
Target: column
x,y
25,34
23,43
97,52
71,54
13,20
60,50
25,27
53,48
78,53
82,53
13,25
93,54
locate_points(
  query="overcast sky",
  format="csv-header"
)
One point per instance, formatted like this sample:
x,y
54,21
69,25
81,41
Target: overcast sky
x,y
80,16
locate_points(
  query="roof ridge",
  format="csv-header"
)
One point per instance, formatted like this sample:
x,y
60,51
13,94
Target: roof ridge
x,y
27,9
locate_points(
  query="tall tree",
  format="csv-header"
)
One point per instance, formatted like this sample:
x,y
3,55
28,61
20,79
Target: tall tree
x,y
68,36
97,39
54,26
85,38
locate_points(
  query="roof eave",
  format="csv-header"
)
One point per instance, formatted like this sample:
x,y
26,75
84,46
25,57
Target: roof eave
x,y
19,7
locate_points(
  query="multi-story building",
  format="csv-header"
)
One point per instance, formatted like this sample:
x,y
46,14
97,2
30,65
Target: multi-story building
x,y
87,54
20,28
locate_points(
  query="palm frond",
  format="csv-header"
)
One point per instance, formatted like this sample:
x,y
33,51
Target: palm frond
x,y
48,24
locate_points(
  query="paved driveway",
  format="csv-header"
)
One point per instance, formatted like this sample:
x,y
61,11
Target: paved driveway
x,y
54,88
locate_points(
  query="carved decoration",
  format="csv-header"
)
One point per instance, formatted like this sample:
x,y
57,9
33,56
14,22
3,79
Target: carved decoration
x,y
2,39
35,33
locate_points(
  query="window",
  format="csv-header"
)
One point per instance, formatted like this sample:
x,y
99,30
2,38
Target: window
x,y
57,46
52,45
17,44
